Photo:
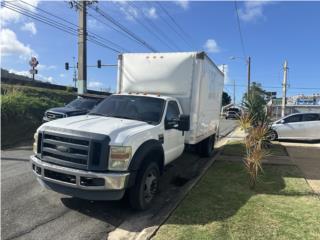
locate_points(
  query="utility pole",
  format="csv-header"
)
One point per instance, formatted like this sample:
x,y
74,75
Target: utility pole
x,y
249,75
284,88
234,92
82,48
74,73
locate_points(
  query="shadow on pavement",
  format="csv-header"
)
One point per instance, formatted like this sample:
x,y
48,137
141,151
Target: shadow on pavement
x,y
173,183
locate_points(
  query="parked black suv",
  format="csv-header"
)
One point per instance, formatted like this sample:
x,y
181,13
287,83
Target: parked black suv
x,y
79,106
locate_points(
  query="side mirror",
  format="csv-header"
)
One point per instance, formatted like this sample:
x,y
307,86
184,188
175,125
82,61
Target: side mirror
x,y
184,122
282,121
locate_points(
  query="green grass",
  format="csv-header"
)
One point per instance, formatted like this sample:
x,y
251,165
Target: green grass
x,y
22,109
221,206
237,148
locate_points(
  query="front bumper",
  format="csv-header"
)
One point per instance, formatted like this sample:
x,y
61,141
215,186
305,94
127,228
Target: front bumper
x,y
80,183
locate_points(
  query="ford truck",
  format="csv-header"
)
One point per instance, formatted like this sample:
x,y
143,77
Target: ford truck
x,y
164,101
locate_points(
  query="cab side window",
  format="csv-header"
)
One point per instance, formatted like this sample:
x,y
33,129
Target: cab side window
x,y
310,117
294,118
173,111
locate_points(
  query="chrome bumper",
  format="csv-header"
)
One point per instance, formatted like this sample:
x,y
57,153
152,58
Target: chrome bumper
x,y
112,181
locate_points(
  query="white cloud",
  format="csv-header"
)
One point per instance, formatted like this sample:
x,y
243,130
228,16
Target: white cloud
x,y
130,12
151,12
95,84
252,10
94,24
61,75
183,4
211,46
37,76
10,45
46,67
7,15
29,27
225,69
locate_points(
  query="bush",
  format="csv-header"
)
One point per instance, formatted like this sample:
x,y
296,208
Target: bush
x,y
22,109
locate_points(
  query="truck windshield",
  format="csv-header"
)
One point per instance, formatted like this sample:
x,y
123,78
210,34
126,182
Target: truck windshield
x,y
82,103
146,109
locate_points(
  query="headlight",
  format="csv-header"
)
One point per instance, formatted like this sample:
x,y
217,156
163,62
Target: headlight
x,y
119,158
35,143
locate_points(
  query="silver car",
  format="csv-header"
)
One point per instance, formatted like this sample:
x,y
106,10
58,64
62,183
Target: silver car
x,y
298,126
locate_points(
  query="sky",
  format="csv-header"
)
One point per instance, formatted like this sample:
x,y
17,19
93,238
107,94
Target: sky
x,y
272,32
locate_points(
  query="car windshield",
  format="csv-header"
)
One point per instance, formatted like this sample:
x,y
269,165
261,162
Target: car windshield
x,y
82,103
146,109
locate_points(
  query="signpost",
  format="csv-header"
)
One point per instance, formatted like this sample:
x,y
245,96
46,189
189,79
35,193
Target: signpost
x,y
33,63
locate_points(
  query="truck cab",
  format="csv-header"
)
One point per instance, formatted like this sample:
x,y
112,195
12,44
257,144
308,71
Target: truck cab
x,y
124,142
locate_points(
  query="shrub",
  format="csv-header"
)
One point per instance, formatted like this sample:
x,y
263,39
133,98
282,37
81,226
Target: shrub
x,y
22,109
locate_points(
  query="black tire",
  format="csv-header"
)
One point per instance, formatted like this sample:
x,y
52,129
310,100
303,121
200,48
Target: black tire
x,y
273,135
206,147
142,194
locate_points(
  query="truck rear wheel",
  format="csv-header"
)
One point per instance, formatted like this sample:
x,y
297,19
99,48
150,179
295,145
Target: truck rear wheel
x,y
142,194
206,147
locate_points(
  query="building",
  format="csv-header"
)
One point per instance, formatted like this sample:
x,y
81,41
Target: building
x,y
295,104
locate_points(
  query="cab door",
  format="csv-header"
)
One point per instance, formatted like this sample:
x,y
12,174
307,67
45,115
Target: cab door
x,y
173,138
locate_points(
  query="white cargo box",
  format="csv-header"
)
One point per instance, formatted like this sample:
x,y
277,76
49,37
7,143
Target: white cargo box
x,y
190,77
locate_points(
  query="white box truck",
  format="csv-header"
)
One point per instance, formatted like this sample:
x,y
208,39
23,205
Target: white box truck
x,y
164,101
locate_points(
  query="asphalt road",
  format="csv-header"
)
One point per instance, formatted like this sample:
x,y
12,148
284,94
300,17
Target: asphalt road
x,y
29,211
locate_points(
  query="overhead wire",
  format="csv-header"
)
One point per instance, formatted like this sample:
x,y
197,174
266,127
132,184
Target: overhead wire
x,y
123,28
53,23
172,28
240,31
168,42
175,23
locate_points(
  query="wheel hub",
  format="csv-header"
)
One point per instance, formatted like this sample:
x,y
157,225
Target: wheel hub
x,y
150,186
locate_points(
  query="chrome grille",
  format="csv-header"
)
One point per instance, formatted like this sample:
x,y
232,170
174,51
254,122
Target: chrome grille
x,y
65,150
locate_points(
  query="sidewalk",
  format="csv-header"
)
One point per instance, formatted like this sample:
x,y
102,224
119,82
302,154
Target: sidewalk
x,y
307,157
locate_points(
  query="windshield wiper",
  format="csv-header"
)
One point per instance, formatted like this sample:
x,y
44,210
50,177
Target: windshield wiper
x,y
124,117
98,114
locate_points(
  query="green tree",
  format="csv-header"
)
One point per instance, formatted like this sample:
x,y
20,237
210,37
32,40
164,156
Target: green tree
x,y
226,99
255,104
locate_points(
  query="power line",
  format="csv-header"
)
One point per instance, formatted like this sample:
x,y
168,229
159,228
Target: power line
x,y
54,24
175,22
123,28
171,26
240,32
146,27
158,30
108,25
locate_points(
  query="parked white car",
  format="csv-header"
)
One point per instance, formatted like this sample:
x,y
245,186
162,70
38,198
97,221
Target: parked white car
x,y
297,126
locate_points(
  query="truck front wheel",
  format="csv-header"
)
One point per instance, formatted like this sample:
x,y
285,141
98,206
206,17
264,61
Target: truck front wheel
x,y
142,194
206,147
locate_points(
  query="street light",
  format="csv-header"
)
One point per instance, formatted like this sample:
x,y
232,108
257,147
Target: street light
x,y
248,62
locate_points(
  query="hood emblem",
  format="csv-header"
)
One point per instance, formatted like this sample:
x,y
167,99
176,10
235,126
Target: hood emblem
x,y
63,149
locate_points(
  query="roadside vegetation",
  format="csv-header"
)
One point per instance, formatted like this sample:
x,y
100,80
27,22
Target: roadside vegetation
x,y
255,122
22,109
238,148
222,206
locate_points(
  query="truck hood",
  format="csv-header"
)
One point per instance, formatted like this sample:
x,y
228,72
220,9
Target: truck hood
x,y
117,129
67,110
